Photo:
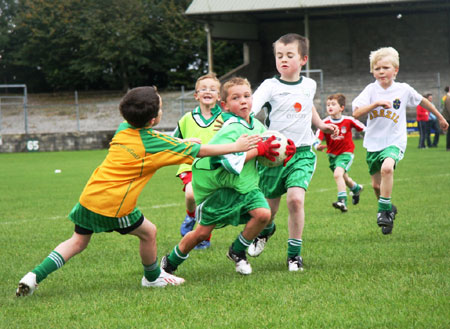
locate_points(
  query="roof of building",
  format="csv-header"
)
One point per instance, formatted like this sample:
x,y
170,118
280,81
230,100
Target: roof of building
x,y
219,6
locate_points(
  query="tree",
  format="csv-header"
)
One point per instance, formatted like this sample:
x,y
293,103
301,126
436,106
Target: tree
x,y
105,44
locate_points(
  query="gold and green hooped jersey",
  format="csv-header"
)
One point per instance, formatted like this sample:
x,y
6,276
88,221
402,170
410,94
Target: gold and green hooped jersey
x,y
134,156
194,124
229,170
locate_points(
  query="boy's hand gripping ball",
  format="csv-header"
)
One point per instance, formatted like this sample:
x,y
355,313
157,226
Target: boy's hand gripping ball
x,y
272,149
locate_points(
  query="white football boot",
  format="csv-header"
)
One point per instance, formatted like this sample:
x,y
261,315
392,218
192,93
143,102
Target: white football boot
x,y
242,266
27,285
163,280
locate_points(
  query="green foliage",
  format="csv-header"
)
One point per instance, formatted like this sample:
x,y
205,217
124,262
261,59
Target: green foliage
x,y
354,276
104,44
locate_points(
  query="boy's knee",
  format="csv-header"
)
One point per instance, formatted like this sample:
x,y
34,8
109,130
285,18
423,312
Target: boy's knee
x,y
265,216
295,202
376,186
387,170
337,175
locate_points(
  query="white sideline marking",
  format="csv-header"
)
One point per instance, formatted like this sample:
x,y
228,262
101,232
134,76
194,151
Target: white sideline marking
x,y
64,217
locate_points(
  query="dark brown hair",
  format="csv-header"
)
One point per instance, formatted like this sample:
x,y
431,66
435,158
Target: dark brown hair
x,y
140,105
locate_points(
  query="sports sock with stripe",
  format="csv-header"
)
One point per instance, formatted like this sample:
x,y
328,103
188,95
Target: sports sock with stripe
x,y
342,196
152,272
176,257
240,244
294,247
50,264
384,204
268,229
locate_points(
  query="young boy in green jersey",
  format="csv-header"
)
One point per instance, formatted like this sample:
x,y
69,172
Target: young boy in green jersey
x,y
288,99
108,201
226,187
198,124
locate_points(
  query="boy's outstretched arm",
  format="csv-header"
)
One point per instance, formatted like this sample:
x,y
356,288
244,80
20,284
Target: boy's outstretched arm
x,y
319,124
360,111
430,107
242,144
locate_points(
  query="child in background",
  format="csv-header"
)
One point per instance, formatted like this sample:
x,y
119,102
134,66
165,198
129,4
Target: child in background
x,y
288,99
340,150
385,102
226,187
108,201
198,124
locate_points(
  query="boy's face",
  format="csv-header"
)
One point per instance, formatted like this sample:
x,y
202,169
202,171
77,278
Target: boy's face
x,y
239,101
289,61
207,92
384,72
334,109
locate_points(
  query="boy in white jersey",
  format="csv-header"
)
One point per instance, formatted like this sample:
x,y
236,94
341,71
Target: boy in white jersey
x,y
385,102
290,110
340,150
198,124
226,188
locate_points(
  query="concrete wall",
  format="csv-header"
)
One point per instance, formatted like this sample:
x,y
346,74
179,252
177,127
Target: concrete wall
x,y
55,141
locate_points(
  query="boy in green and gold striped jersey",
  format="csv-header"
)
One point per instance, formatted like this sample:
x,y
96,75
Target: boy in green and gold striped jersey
x,y
108,201
198,124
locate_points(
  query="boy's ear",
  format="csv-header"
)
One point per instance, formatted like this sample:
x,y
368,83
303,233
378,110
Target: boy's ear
x,y
304,60
223,105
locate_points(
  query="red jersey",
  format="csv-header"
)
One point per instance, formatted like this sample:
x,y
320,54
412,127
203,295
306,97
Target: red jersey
x,y
343,143
422,113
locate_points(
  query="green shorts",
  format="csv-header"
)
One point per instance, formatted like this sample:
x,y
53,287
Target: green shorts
x,y
375,159
343,160
228,207
92,221
274,182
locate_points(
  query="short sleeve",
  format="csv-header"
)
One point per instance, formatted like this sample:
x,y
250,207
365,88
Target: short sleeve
x,y
363,99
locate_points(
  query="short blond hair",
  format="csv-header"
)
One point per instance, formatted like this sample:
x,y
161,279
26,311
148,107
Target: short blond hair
x,y
210,75
386,52
236,81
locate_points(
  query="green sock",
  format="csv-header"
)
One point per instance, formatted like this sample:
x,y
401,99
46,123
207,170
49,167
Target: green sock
x,y
355,188
268,229
342,196
152,272
294,247
176,257
50,264
240,244
384,204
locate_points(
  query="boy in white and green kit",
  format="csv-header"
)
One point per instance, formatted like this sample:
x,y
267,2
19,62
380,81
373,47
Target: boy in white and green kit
x,y
226,187
384,102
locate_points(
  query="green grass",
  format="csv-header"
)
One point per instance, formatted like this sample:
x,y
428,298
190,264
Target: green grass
x,y
354,276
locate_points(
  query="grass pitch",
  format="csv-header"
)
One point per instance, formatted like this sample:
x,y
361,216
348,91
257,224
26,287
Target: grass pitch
x,y
354,276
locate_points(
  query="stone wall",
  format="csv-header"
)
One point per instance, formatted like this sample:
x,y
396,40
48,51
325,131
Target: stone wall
x,y
70,141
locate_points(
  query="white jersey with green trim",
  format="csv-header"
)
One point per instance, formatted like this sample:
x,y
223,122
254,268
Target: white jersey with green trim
x,y
288,107
386,127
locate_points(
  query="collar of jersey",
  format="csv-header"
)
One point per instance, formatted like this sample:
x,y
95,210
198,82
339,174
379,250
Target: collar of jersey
x,y
336,120
289,82
230,118
215,111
